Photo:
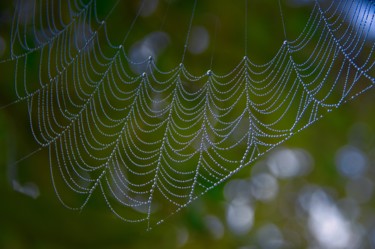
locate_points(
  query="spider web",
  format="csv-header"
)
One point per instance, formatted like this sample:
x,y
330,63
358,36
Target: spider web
x,y
152,140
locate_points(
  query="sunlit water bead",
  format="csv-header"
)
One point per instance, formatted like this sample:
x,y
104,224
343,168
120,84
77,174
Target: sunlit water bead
x,y
144,209
199,40
214,226
148,7
269,236
83,36
351,162
237,189
366,9
287,163
326,222
371,237
240,216
239,211
26,11
261,186
182,236
29,189
264,187
149,47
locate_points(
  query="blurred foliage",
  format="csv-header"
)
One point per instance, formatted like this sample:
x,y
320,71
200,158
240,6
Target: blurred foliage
x,y
44,223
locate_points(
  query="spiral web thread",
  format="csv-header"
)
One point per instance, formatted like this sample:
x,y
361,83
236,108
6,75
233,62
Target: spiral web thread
x,y
151,143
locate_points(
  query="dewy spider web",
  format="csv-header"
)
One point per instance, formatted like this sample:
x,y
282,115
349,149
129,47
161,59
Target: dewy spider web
x,y
152,142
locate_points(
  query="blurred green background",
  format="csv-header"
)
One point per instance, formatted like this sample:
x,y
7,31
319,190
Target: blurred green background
x,y
325,200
